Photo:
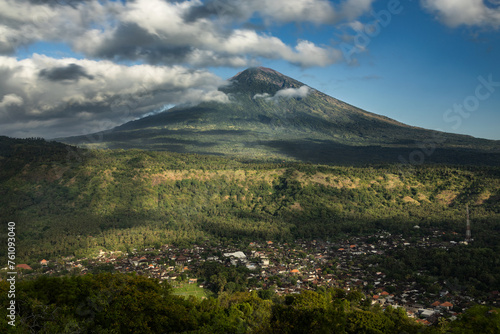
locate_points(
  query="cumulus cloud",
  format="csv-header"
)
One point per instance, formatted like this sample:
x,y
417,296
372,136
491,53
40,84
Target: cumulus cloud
x,y
24,22
172,32
285,93
280,11
10,100
64,73
454,13
200,42
262,96
288,93
50,97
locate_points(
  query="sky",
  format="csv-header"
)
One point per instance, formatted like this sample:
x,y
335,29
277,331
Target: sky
x,y
72,67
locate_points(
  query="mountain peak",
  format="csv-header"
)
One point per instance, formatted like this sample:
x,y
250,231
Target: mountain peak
x,y
255,71
265,119
261,80
267,69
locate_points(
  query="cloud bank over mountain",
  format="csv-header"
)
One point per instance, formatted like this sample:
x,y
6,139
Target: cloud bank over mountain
x,y
286,93
44,93
90,55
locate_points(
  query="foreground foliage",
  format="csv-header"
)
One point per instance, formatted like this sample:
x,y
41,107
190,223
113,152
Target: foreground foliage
x,y
118,303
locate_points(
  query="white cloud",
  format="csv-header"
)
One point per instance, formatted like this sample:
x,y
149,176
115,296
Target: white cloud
x,y
261,96
285,93
24,22
355,25
309,54
62,97
289,93
158,31
143,33
316,11
10,100
281,11
454,13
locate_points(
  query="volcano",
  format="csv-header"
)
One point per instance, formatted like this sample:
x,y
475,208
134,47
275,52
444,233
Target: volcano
x,y
271,116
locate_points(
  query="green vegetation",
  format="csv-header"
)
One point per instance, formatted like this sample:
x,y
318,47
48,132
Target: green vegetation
x,y
73,202
117,303
69,202
194,290
120,200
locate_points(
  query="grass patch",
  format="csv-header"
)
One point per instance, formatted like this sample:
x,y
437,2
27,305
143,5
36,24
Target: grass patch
x,y
185,289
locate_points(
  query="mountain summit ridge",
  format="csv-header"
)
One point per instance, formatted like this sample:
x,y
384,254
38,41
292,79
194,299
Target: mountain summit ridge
x,y
261,80
258,68
271,116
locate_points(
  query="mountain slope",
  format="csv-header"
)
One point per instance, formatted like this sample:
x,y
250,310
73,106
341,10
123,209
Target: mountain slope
x,y
272,116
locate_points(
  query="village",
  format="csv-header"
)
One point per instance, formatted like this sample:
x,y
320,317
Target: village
x,y
287,268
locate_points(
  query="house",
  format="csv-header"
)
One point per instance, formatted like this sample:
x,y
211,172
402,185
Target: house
x,y
181,260
424,322
24,266
239,255
447,305
193,280
426,313
410,314
134,261
44,262
252,266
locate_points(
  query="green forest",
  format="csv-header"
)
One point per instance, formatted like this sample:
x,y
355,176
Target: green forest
x,y
117,303
67,201
71,202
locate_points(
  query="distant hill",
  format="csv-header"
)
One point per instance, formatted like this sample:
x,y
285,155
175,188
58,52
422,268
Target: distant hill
x,y
272,116
67,201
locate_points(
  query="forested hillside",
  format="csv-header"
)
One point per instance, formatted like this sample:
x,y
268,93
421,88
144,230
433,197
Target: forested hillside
x,y
73,202
70,202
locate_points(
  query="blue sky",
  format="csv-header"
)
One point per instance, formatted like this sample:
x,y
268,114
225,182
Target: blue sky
x,y
71,68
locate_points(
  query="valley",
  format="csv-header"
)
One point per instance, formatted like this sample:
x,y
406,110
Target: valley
x,y
280,196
